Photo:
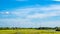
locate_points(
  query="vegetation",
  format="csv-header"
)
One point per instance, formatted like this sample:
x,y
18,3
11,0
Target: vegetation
x,y
40,30
28,31
14,28
57,28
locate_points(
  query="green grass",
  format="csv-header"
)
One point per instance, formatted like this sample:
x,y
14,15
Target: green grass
x,y
28,31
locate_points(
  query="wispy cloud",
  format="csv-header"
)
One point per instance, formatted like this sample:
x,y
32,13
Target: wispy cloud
x,y
35,12
50,24
42,15
39,12
30,13
56,0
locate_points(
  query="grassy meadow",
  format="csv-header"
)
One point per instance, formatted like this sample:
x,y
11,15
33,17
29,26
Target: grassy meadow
x,y
29,31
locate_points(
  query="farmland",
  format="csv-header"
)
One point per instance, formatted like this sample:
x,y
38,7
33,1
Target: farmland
x,y
29,31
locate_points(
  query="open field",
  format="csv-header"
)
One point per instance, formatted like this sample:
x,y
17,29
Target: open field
x,y
29,31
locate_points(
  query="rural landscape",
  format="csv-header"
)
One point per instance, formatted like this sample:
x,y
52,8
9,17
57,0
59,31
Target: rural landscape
x,y
29,16
41,30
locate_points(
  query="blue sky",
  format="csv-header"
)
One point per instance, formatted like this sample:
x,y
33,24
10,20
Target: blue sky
x,y
29,13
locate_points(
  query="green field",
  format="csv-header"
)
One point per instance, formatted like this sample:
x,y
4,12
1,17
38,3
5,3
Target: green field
x,y
29,31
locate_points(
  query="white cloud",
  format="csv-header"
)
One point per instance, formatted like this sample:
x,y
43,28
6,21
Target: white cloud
x,y
5,13
28,23
56,0
32,12
41,15
18,23
51,7
50,24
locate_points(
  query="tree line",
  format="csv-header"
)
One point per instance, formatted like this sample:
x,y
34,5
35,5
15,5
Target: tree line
x,y
13,28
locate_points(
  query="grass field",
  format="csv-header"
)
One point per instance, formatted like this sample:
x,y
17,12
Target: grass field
x,y
28,31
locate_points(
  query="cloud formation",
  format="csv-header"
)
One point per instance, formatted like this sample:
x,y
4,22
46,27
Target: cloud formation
x,y
56,0
39,12
33,16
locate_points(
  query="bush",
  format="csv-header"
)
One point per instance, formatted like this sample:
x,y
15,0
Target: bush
x,y
58,29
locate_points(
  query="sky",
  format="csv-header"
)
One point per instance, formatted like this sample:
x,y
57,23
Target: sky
x,y
29,13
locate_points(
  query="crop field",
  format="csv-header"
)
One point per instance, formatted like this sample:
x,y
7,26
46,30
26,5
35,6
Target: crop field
x,y
29,31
